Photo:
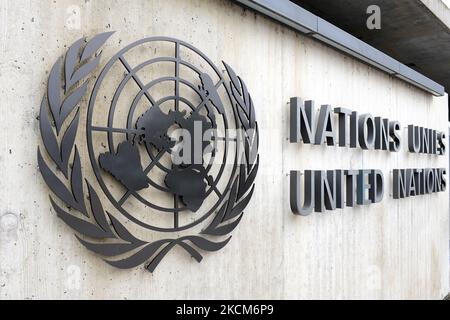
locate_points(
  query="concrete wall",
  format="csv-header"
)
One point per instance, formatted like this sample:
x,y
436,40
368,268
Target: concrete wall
x,y
394,249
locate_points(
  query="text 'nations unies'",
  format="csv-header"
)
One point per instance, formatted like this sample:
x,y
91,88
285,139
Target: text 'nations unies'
x,y
335,189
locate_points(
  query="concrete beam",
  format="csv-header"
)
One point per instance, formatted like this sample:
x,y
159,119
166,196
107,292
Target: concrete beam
x,y
306,22
414,32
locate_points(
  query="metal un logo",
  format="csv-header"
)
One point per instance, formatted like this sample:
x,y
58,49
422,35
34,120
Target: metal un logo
x,y
172,142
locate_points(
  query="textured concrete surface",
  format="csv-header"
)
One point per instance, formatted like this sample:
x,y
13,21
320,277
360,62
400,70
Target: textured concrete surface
x,y
414,32
395,249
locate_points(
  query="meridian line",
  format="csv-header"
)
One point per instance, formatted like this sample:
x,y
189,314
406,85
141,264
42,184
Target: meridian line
x,y
177,75
177,106
136,79
146,171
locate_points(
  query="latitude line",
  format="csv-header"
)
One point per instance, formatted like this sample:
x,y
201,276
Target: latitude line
x,y
136,79
119,130
224,139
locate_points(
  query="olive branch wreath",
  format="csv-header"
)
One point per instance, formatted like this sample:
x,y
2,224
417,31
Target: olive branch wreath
x,y
58,120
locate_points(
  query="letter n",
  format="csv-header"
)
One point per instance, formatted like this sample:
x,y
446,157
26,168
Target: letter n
x,y
301,122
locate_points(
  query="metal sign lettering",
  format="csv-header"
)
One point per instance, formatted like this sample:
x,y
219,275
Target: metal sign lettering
x,y
336,189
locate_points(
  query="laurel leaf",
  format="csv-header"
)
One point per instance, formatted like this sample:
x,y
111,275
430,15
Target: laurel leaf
x,y
55,184
225,229
98,212
77,183
250,178
231,199
72,59
250,135
242,175
217,220
253,156
84,70
122,232
245,94
251,146
194,253
243,100
247,148
252,117
233,77
48,137
238,98
207,245
109,249
157,259
240,206
71,102
53,90
94,44
79,225
139,257
241,111
72,75
67,143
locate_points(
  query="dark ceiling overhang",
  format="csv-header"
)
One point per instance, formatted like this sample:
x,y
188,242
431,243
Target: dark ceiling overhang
x,y
313,25
410,31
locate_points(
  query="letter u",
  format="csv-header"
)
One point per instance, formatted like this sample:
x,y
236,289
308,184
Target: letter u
x,y
295,192
413,139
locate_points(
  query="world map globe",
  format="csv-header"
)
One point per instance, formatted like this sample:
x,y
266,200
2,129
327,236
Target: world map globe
x,y
147,134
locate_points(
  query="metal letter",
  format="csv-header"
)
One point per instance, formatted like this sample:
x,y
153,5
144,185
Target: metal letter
x,y
295,193
362,186
302,118
340,180
413,139
325,194
366,128
354,129
350,181
325,127
410,183
429,174
381,133
376,181
343,118
418,176
394,145
399,183
425,138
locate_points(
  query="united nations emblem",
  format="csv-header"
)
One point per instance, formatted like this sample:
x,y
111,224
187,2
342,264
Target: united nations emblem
x,y
172,143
